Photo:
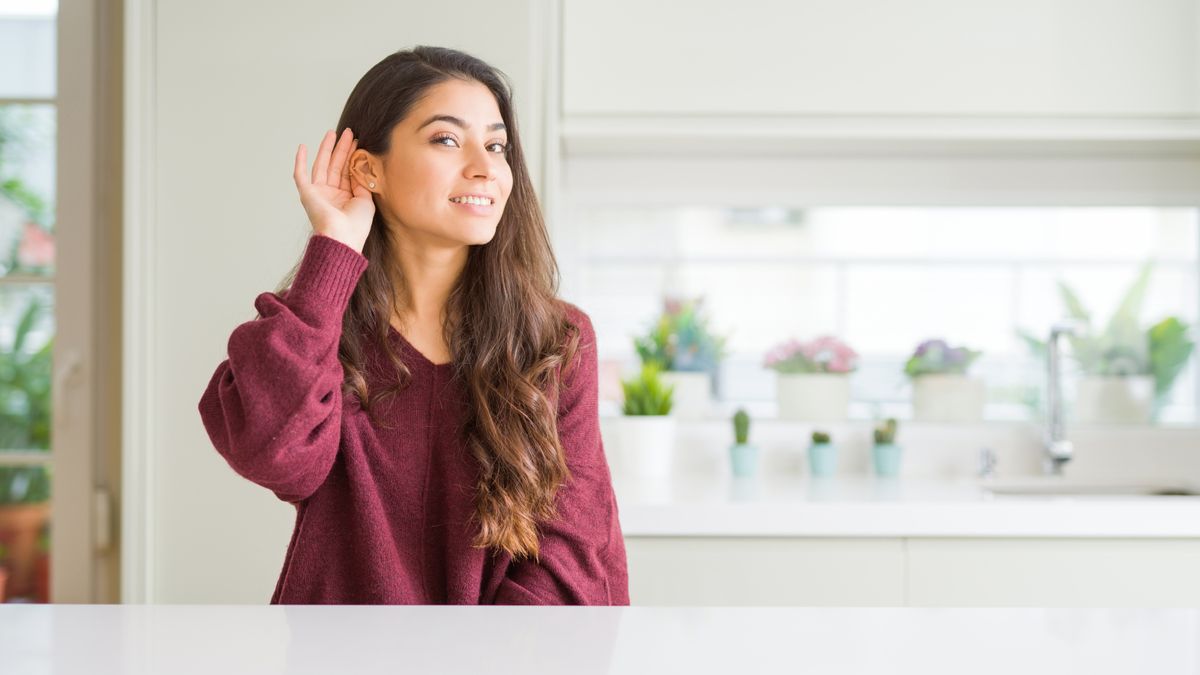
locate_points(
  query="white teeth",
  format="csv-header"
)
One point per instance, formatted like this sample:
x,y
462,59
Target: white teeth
x,y
477,201
480,201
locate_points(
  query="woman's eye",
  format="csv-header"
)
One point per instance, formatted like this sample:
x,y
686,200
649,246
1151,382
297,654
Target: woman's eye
x,y
498,148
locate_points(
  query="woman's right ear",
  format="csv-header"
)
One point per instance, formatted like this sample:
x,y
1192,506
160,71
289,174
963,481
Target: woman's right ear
x,y
362,169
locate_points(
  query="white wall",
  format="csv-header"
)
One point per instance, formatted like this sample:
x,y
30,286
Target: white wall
x,y
234,87
223,91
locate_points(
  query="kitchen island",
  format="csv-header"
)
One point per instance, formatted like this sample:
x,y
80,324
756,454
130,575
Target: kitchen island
x,y
850,506
263,640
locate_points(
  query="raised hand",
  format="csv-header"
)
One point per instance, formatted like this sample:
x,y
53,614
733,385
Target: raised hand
x,y
338,206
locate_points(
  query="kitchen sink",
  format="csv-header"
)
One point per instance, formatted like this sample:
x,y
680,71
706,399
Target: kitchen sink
x,y
1052,487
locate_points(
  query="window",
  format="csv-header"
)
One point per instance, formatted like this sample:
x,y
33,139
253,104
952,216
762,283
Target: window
x,y
28,124
883,279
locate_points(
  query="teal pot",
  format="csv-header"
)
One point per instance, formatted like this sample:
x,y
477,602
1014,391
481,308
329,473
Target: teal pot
x,y
822,459
745,459
886,458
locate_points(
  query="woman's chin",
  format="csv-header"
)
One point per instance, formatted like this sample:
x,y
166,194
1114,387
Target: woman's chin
x,y
481,235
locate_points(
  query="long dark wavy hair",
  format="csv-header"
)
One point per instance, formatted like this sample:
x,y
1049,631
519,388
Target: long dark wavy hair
x,y
509,335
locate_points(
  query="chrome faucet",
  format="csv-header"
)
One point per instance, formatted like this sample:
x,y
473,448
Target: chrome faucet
x,y
987,463
1058,450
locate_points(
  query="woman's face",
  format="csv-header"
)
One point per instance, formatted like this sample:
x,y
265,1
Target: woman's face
x,y
446,174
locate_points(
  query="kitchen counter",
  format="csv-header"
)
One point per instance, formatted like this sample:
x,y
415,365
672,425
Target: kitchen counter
x,y
181,639
703,505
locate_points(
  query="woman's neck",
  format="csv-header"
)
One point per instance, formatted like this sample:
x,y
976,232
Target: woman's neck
x,y
429,270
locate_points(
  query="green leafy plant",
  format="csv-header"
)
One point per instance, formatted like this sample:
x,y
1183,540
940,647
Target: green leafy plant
x,y
680,338
741,426
645,394
886,432
1170,349
820,437
25,401
1124,348
24,484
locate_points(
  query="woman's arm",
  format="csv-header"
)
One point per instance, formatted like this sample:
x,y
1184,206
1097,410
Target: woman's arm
x,y
582,557
273,408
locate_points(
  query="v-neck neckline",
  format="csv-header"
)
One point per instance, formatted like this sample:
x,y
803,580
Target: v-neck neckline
x,y
421,357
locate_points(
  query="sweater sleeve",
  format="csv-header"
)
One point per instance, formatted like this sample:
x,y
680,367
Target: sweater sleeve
x,y
273,408
582,557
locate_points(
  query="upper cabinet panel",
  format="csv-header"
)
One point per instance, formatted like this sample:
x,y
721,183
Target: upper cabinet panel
x,y
1074,58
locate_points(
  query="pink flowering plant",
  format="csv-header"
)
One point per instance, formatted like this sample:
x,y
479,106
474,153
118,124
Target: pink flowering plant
x,y
825,354
937,357
33,251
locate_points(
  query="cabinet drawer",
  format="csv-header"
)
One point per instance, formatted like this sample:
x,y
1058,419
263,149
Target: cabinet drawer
x,y
765,571
1054,572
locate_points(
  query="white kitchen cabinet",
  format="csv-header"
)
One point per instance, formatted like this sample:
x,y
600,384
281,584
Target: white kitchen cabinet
x,y
1046,58
894,571
765,571
1054,572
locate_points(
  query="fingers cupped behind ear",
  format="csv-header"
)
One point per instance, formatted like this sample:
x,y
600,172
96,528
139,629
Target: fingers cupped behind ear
x,y
337,164
346,179
298,171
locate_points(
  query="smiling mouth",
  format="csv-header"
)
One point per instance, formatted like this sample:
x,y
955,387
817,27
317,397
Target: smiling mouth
x,y
477,201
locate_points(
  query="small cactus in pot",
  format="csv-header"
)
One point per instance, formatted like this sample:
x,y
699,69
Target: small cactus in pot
x,y
885,453
822,455
743,455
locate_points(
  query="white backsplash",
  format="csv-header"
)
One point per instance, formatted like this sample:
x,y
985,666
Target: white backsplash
x,y
1121,453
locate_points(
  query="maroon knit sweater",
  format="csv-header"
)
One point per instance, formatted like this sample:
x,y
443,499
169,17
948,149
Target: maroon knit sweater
x,y
383,516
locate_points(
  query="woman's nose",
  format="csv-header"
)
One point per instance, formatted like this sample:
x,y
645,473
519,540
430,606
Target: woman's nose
x,y
479,165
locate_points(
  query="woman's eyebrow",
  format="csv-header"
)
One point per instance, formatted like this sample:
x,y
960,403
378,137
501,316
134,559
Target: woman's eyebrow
x,y
498,126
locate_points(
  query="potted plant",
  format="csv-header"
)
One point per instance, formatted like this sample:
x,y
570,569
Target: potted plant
x,y
3,572
687,353
743,455
885,454
646,429
1128,369
41,567
822,455
812,378
24,512
942,390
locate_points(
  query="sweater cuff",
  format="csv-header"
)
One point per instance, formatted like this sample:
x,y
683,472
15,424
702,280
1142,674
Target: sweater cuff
x,y
328,274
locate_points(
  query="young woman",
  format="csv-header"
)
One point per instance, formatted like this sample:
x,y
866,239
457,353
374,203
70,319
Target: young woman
x,y
415,387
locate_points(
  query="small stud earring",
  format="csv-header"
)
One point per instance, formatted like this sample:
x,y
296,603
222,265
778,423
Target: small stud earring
x,y
371,185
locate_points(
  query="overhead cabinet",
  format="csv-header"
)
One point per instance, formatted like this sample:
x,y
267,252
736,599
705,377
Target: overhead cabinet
x,y
1078,58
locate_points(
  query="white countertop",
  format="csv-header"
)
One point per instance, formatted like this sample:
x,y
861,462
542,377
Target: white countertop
x,y
701,505
264,640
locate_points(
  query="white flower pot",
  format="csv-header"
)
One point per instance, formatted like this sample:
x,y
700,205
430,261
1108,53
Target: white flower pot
x,y
821,397
693,393
647,444
1114,400
947,398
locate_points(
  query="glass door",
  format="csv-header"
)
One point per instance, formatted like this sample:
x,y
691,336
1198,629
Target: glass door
x,y
28,33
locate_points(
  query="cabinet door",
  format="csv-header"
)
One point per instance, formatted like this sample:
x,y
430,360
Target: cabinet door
x,y
1054,572
765,571
863,57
